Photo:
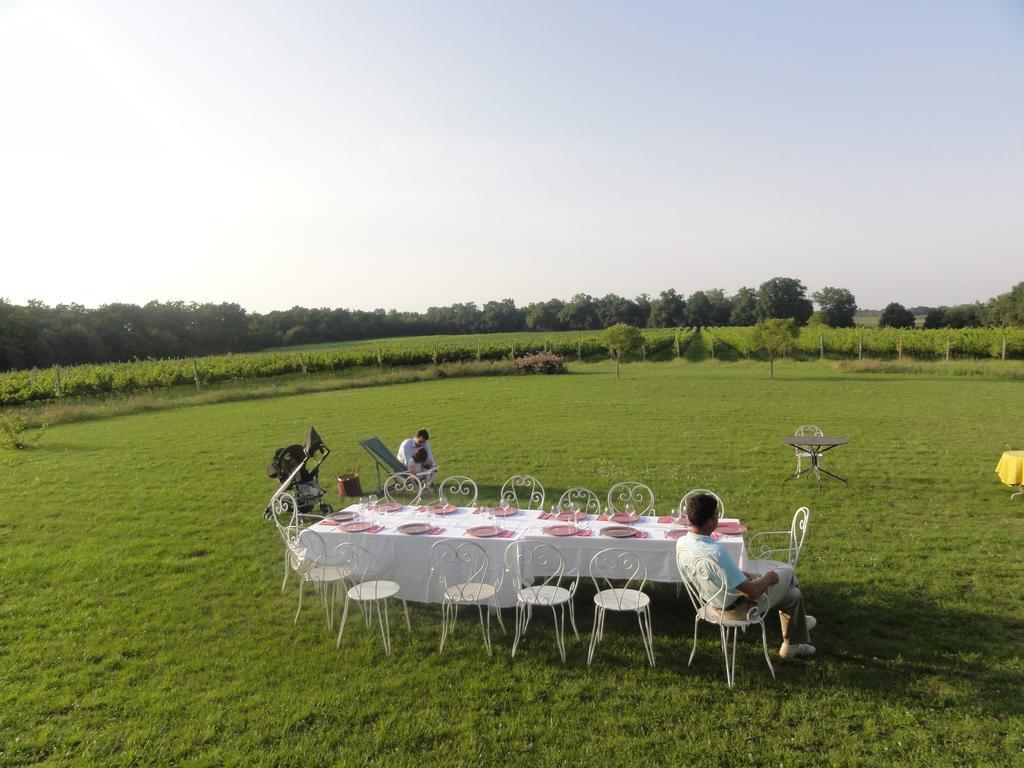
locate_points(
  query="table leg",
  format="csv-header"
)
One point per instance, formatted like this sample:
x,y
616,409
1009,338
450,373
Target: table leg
x,y
1019,492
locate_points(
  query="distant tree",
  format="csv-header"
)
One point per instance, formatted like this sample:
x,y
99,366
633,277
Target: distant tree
x,y
580,314
837,305
621,339
545,315
775,338
699,310
936,318
613,309
643,309
668,310
1006,309
895,315
783,297
744,307
502,317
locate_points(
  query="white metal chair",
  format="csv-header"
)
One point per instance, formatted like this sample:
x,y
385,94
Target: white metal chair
x,y
803,431
708,589
363,585
526,562
629,496
523,492
461,569
611,566
457,490
698,492
403,488
306,554
770,549
579,499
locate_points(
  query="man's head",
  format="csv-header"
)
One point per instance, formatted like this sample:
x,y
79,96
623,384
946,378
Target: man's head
x,y
422,436
701,509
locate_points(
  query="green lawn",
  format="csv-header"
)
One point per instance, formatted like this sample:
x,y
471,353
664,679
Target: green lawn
x,y
141,621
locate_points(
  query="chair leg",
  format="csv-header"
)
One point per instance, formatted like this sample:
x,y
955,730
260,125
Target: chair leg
x,y
497,612
344,617
764,644
724,637
572,619
646,632
735,640
444,625
385,626
559,629
485,624
287,569
693,653
302,584
595,633
405,607
520,617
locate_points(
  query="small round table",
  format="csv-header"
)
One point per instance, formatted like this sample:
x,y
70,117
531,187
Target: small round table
x,y
1011,471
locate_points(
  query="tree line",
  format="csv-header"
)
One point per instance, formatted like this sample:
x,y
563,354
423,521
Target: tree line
x,y
38,335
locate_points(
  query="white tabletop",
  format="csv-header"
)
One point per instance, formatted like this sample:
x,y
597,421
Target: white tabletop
x,y
405,559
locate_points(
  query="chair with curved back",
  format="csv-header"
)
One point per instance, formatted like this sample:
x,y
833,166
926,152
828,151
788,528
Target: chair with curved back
x,y
457,490
537,570
619,577
697,492
363,585
805,430
769,549
579,499
461,569
305,553
629,494
708,590
523,492
403,488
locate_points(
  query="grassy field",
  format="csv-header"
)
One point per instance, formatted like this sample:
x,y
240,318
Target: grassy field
x,y
142,624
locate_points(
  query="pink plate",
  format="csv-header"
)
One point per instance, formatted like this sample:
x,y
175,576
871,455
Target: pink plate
x,y
389,506
413,529
676,533
731,529
561,530
571,517
484,531
358,527
619,531
622,517
342,517
447,509
499,512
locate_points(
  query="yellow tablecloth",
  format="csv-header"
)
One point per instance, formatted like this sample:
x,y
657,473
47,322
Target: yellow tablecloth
x,y
1011,468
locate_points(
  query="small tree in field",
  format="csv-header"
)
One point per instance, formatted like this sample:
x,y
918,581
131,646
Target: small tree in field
x,y
621,339
775,338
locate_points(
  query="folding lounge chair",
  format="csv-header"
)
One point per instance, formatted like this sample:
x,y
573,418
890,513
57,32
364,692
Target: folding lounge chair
x,y
383,457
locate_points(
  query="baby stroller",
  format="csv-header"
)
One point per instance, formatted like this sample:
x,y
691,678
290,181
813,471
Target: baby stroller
x,y
289,466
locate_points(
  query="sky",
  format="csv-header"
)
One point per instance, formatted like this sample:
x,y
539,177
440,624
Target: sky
x,y
414,154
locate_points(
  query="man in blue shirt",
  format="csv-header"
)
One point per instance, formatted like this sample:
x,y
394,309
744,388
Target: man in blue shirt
x,y
774,589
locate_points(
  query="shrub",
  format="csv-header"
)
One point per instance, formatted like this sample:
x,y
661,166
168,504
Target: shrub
x,y
541,362
12,432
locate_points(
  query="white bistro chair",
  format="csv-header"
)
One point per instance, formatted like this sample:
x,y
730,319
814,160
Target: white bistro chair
x,y
461,569
623,496
612,567
537,569
706,584
305,553
403,488
803,431
457,490
363,585
698,492
579,500
769,549
523,492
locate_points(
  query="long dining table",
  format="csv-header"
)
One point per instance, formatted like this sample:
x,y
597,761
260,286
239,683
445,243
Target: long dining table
x,y
386,531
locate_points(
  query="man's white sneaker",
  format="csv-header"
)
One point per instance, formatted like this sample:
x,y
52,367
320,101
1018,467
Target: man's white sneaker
x,y
811,622
789,650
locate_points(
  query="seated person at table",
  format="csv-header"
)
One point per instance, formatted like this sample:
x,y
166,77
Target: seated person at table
x,y
407,451
774,589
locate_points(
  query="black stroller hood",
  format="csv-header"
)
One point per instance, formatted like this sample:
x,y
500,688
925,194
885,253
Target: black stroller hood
x,y
286,460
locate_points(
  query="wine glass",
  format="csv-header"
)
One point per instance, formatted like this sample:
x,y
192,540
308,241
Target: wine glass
x,y
372,502
677,514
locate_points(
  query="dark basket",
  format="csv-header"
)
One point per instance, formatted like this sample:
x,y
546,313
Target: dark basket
x,y
348,485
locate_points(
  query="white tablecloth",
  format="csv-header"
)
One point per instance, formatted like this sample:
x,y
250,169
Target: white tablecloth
x,y
405,559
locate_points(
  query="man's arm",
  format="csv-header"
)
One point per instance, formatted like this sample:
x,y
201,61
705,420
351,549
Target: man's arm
x,y
754,588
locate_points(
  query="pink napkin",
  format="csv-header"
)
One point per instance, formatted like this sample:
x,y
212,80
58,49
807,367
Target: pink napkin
x,y
584,533
435,531
506,534
544,516
604,517
329,523
642,535
714,535
375,529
